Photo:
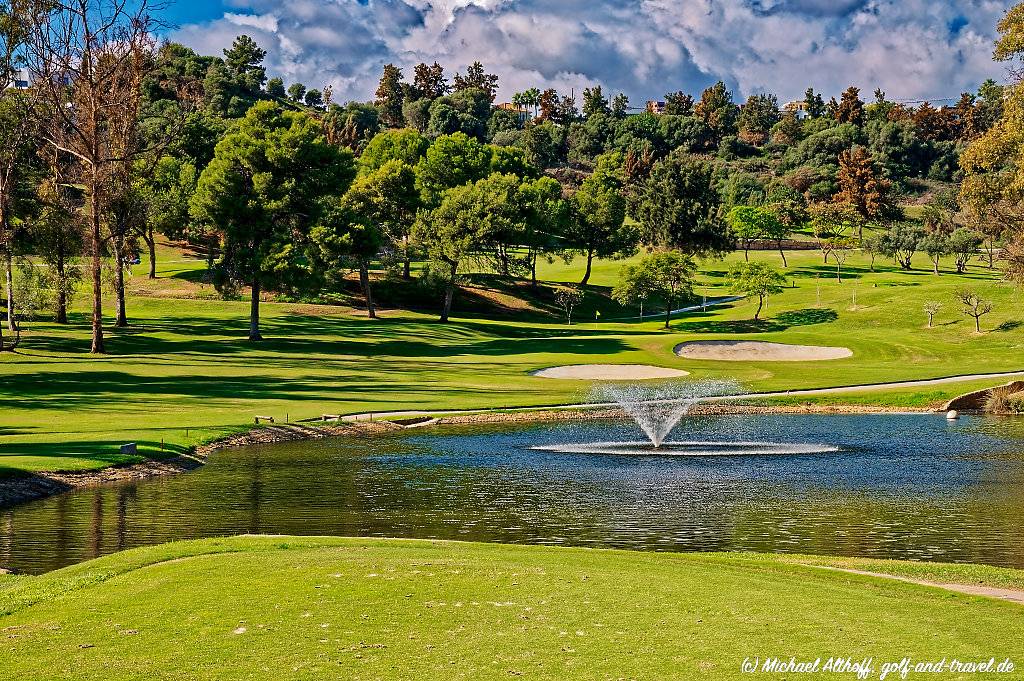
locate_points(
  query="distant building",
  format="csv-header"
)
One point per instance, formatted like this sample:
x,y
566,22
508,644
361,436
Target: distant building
x,y
20,81
798,107
655,107
524,113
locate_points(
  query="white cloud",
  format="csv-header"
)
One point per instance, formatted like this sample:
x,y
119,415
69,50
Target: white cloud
x,y
910,48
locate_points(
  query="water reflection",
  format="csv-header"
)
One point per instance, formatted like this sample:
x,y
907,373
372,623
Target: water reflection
x,y
909,486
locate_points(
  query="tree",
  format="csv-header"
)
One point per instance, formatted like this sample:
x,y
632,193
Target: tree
x,y
451,232
636,285
59,239
935,245
266,187
620,106
851,108
314,99
832,223
568,297
598,226
429,82
757,118
678,104
390,96
348,233
672,277
451,161
297,92
717,110
244,60
861,187
750,223
18,129
963,243
679,206
88,60
814,104
789,214
165,193
404,145
528,99
974,306
756,279
477,78
388,198
275,88
900,241
594,102
931,308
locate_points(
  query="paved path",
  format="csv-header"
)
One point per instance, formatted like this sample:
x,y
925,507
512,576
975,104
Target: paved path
x,y
872,387
710,302
1014,595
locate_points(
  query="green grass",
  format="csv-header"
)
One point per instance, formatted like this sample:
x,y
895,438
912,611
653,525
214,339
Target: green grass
x,y
313,608
184,373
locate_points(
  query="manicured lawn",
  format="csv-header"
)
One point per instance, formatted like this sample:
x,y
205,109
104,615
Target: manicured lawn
x,y
312,608
184,373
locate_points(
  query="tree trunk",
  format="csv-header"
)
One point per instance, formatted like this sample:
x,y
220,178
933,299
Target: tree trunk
x,y
96,236
533,270
783,254
839,270
449,293
668,314
254,313
935,262
12,323
61,316
760,305
746,253
122,313
210,247
977,324
151,244
364,281
590,261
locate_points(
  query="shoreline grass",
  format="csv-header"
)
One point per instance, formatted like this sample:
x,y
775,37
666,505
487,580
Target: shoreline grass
x,y
379,608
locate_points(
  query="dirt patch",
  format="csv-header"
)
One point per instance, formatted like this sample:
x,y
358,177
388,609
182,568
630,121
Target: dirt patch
x,y
758,351
1015,595
610,372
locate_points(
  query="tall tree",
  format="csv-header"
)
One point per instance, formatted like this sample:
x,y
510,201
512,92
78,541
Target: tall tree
x,y
718,111
390,96
594,102
244,60
814,104
759,115
265,188
862,186
296,92
88,59
387,199
851,108
620,106
59,238
403,145
348,234
477,78
678,104
679,206
429,82
452,160
756,279
598,227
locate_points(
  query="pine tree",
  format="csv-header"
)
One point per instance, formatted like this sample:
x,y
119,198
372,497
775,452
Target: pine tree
x,y
390,97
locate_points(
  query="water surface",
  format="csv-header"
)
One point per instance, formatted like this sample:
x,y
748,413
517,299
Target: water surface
x,y
897,486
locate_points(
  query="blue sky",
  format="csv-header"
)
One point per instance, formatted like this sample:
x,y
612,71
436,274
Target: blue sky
x,y
912,49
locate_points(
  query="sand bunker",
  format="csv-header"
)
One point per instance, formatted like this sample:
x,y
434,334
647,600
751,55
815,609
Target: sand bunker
x,y
758,351
610,372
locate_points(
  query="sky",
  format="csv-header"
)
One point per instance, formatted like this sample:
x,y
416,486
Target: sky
x,y
911,49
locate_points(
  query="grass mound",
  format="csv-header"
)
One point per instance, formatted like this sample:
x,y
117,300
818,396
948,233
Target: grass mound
x,y
313,608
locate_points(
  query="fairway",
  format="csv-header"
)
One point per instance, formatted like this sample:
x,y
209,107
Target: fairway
x,y
315,608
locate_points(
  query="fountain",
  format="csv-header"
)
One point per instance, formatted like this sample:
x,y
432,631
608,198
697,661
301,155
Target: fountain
x,y
657,410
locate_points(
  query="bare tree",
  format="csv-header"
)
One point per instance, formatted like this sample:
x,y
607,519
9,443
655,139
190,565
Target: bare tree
x,y
88,59
974,306
931,308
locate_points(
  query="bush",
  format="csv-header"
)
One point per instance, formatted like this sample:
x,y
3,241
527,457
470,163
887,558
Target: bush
x,y
1004,400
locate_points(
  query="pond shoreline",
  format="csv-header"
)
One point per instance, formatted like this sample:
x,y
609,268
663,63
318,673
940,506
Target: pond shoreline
x,y
31,487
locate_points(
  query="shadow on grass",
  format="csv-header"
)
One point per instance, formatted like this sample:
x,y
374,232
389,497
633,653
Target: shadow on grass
x,y
785,320
1009,325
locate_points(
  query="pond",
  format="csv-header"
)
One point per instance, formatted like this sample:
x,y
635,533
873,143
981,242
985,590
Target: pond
x,y
888,486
